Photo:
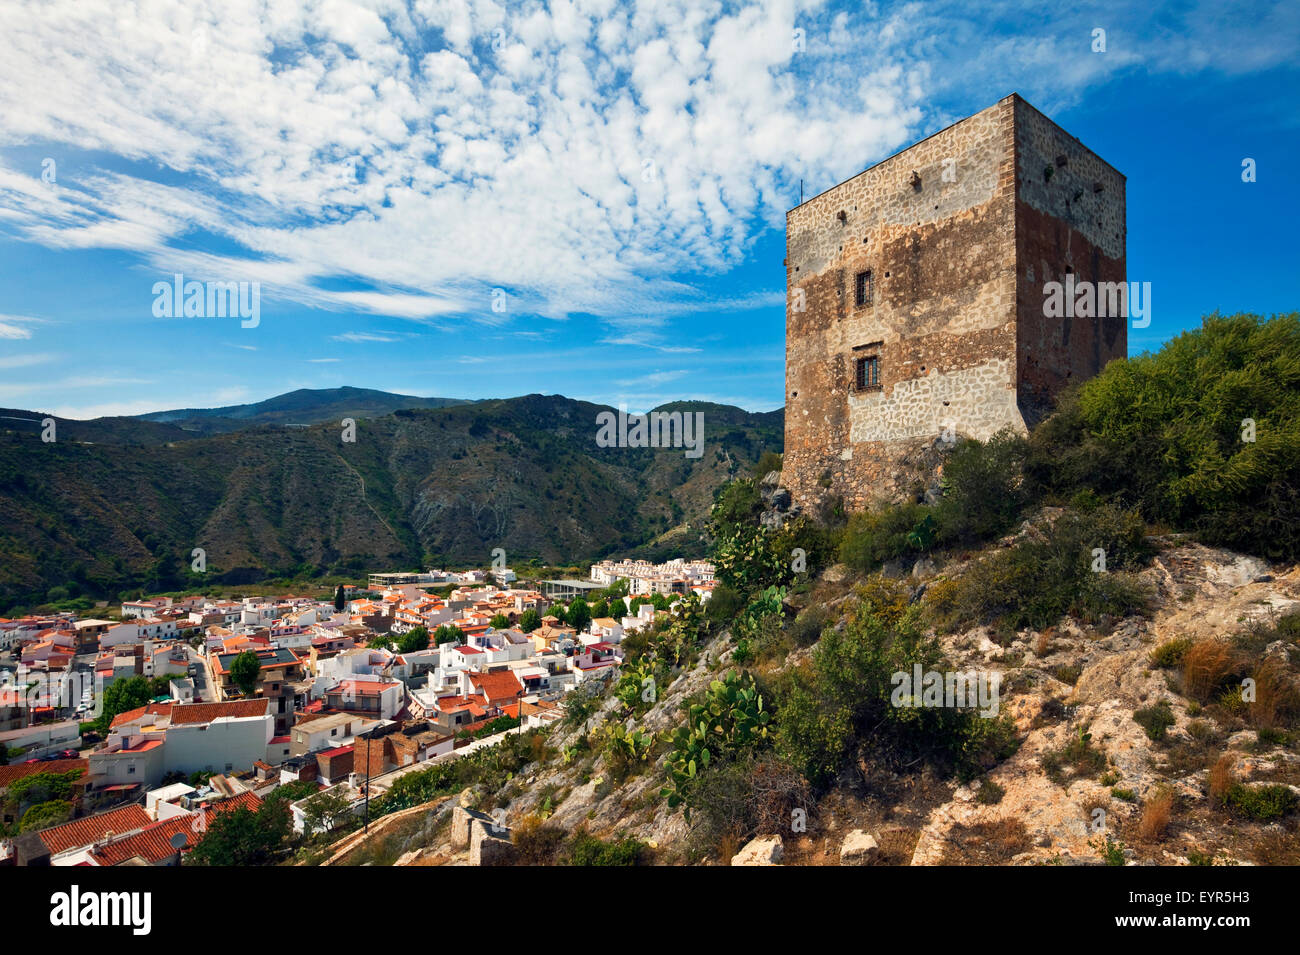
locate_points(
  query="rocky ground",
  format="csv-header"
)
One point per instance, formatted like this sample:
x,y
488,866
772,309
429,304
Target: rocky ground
x,y
1059,684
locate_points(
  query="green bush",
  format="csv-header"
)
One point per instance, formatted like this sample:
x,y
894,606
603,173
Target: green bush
x,y
842,702
983,488
589,850
1171,653
1262,803
874,537
1168,432
1155,720
1036,581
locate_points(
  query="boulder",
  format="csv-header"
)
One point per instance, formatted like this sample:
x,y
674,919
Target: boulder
x,y
859,848
765,850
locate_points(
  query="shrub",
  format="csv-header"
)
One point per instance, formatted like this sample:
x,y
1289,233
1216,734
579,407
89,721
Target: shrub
x,y
844,699
1155,719
1166,430
989,793
806,628
735,801
1221,777
1263,803
1171,653
1277,699
1079,757
1036,581
874,537
984,489
589,850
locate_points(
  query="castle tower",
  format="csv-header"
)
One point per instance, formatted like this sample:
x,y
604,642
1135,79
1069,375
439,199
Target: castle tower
x,y
916,295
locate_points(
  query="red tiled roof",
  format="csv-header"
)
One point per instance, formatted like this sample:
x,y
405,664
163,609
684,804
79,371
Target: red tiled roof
x,y
9,773
152,709
153,843
501,685
144,746
207,712
83,832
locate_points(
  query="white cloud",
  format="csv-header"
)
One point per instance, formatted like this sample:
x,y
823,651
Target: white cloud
x,y
357,337
577,154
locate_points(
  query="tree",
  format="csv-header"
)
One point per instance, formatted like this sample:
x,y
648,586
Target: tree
x,y
322,813
499,622
579,614
448,634
45,814
600,609
529,621
121,696
340,599
244,670
417,638
241,837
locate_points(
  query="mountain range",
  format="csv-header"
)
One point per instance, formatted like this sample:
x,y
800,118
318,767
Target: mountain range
x,y
274,489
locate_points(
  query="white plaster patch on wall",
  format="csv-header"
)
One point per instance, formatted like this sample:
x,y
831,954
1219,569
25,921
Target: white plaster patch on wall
x,y
979,404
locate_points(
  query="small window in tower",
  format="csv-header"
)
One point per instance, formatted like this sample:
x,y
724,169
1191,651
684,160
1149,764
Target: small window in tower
x,y
867,369
862,295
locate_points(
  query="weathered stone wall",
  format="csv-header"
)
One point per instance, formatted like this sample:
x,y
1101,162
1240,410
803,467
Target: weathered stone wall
x,y
959,232
935,226
1069,219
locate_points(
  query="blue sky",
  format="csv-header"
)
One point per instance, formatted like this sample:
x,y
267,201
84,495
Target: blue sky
x,y
620,172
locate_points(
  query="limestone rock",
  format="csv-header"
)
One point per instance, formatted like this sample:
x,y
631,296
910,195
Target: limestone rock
x,y
859,848
765,850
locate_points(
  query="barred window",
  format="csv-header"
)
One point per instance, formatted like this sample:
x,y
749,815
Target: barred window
x,y
868,373
862,293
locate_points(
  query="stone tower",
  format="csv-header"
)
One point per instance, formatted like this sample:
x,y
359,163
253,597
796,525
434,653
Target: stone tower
x,y
915,298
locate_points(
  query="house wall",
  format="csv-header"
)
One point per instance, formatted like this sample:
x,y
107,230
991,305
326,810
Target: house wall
x,y
210,747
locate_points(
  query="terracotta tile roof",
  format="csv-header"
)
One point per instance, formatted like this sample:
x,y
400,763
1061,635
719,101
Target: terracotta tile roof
x,y
207,712
501,685
83,832
9,773
153,843
151,709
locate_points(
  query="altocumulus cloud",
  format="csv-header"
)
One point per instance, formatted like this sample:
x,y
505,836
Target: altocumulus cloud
x,y
588,156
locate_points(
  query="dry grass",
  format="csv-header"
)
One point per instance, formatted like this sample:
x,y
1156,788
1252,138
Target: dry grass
x,y
1222,777
1206,666
1156,813
1277,846
986,843
1277,698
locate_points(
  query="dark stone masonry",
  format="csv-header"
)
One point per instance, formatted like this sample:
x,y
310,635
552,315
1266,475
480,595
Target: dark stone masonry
x,y
915,299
